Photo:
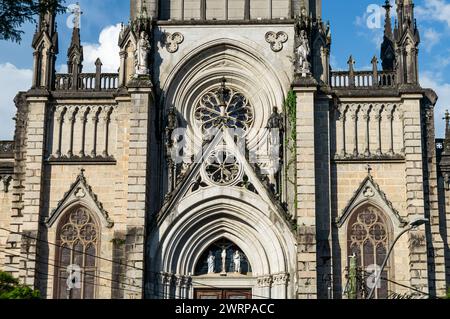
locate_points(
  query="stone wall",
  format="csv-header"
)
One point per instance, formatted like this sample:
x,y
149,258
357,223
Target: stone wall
x,y
224,9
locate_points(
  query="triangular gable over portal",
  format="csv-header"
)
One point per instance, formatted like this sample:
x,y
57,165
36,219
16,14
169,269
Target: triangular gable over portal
x,y
80,193
370,192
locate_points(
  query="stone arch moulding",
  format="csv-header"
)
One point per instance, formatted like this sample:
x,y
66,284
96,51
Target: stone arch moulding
x,y
199,221
369,192
80,193
245,70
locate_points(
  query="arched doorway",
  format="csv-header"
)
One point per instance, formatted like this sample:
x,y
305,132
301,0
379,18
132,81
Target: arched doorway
x,y
180,246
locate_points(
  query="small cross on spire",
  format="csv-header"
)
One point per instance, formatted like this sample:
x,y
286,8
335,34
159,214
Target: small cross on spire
x,y
369,169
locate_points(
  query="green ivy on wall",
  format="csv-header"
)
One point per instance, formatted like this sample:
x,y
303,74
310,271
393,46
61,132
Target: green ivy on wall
x,y
290,108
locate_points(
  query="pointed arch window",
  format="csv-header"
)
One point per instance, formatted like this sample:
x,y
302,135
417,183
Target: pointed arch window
x,y
77,239
368,240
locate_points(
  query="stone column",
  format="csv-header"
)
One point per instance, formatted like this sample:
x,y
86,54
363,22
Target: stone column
x,y
264,285
390,119
355,111
415,191
436,247
377,118
141,108
280,283
342,120
306,189
366,117
33,192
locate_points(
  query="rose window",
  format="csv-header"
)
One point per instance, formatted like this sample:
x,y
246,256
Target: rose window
x,y
222,168
226,107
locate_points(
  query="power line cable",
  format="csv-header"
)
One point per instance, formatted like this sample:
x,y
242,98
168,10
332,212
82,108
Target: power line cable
x,y
83,272
112,261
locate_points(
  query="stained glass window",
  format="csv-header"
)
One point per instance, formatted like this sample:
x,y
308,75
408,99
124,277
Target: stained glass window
x,y
368,240
77,239
224,106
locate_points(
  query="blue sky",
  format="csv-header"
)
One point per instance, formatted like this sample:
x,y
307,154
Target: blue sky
x,y
351,35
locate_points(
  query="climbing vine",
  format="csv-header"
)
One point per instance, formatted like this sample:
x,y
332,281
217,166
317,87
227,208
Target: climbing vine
x,y
290,107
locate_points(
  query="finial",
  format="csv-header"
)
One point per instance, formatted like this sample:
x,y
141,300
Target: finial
x,y
369,169
447,124
351,63
98,62
374,60
82,170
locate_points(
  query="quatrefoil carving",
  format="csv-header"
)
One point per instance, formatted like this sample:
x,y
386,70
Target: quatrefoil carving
x,y
276,40
172,41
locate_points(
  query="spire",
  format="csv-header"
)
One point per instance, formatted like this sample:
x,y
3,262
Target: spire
x,y
388,47
407,40
387,21
45,45
75,52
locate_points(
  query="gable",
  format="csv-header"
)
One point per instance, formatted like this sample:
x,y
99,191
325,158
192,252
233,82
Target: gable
x,y
80,193
369,192
196,179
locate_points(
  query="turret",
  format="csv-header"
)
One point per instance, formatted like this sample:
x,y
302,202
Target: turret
x,y
45,45
407,39
388,46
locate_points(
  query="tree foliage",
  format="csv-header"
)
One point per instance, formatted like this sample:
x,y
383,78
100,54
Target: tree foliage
x,y
14,13
10,288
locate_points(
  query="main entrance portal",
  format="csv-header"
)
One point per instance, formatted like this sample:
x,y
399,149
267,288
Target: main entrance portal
x,y
223,294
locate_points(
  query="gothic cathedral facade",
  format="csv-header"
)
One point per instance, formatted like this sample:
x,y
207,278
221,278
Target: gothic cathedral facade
x,y
226,159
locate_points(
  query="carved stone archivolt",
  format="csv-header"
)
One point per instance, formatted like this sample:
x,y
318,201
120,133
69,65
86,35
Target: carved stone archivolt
x,y
172,41
276,40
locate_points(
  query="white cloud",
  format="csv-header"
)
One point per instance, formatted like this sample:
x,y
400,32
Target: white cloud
x,y
435,82
434,10
106,49
431,38
12,80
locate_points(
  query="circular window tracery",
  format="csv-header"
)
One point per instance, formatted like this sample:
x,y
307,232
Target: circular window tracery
x,y
224,107
222,168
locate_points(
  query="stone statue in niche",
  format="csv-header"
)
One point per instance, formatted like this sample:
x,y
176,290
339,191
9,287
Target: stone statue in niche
x,y
302,54
237,262
171,126
275,126
142,55
211,262
224,258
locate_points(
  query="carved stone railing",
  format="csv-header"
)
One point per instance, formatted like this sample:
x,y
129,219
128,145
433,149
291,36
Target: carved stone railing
x,y
97,81
87,82
362,79
6,149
